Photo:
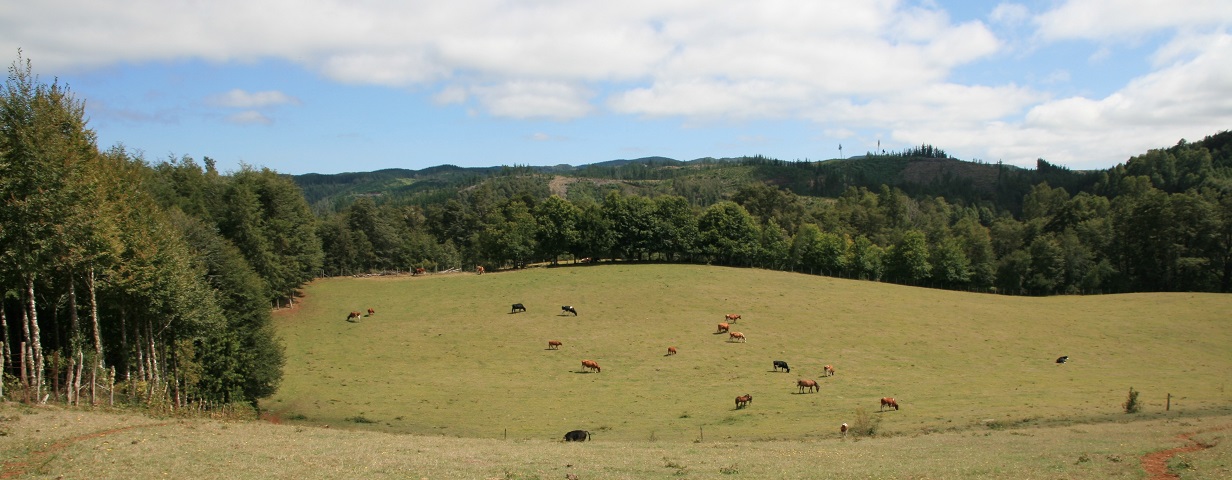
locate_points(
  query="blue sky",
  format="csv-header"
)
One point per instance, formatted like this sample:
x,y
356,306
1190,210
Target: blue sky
x,y
329,86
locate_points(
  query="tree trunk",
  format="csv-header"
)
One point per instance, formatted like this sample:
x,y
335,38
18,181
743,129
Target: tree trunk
x,y
98,343
74,365
6,355
36,347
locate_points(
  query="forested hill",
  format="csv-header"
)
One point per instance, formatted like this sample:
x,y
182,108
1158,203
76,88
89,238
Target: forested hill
x,y
918,171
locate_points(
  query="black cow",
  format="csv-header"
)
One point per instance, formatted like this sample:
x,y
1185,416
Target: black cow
x,y
577,436
781,364
1063,359
517,307
568,308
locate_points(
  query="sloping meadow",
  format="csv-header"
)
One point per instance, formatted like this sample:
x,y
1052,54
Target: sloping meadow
x,y
444,355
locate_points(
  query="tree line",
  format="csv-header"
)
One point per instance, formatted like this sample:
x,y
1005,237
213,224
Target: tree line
x,y
122,281
1160,222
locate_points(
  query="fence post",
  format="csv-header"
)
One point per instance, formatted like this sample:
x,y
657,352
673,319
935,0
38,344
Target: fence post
x,y
1169,406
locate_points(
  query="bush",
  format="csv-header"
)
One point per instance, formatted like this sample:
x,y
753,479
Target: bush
x,y
1131,404
864,424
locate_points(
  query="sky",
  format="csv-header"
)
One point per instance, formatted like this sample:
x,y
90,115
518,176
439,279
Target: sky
x,y
331,86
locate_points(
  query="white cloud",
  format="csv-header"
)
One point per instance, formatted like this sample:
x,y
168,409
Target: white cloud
x,y
250,117
238,98
1121,19
521,99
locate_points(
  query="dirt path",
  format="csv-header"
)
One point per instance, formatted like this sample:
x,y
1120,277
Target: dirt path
x,y
1156,463
21,466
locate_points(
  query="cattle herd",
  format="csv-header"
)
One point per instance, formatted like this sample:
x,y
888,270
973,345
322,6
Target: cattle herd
x,y
803,385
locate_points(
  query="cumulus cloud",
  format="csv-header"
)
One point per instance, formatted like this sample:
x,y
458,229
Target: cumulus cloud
x,y
1120,19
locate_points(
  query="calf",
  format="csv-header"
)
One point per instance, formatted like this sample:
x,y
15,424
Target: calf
x,y
829,371
371,312
577,436
517,307
781,364
568,308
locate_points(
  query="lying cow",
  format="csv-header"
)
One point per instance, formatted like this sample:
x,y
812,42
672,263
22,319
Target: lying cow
x,y
568,308
517,307
781,364
577,436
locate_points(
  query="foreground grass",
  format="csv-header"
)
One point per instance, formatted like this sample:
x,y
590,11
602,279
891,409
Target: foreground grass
x,y
55,443
443,355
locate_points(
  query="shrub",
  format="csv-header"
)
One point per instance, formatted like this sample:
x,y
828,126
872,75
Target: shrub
x,y
864,424
1131,404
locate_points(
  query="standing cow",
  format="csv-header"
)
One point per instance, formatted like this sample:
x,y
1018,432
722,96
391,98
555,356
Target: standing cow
x,y
568,308
517,307
732,317
353,316
781,364
577,436
810,385
735,337
671,350
723,327
554,344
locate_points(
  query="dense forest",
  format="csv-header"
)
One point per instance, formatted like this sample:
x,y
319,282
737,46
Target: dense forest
x,y
152,282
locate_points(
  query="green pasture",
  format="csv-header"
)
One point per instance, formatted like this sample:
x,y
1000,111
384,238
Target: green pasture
x,y
443,356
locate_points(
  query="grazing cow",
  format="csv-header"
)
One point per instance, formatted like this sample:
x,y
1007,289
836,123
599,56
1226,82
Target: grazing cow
x,y
735,337
781,364
568,308
671,350
723,327
353,316
829,370
732,317
418,271
479,269
888,402
591,365
577,436
1063,359
371,312
743,400
811,385
553,344
517,307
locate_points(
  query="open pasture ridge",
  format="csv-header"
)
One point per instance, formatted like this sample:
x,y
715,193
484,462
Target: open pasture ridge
x,y
446,357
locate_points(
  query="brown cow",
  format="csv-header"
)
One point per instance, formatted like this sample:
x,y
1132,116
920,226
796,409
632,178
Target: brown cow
x,y
553,344
591,365
723,327
743,400
671,350
732,317
479,269
735,337
353,315
418,271
888,402
371,312
811,385
829,371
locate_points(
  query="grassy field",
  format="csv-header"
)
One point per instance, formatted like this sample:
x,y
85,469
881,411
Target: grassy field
x,y
444,356
444,382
